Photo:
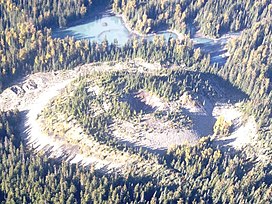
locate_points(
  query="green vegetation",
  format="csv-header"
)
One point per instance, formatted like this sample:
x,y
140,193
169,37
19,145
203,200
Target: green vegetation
x,y
249,67
196,174
221,126
27,48
119,92
205,175
211,18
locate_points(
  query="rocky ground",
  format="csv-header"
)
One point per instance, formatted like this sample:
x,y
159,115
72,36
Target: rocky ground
x,y
31,95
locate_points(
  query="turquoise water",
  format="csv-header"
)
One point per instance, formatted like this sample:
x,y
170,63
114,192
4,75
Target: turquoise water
x,y
112,28
108,27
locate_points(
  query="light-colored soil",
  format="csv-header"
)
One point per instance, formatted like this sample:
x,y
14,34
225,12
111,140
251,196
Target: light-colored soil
x,y
243,132
152,134
31,95
77,147
32,128
151,100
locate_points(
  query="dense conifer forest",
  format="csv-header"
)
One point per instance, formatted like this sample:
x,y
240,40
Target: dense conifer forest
x,y
206,175
203,173
213,18
253,74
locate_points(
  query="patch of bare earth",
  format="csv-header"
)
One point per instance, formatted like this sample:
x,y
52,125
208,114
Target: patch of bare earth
x,y
155,134
200,112
151,100
151,133
204,113
32,94
243,133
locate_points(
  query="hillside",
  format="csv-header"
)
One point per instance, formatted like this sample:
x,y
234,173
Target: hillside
x,y
132,101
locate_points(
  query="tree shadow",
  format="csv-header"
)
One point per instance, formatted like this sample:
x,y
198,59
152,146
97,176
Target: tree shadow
x,y
136,103
204,120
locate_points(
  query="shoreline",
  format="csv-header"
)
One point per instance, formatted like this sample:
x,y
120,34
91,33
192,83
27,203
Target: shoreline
x,y
228,35
138,34
128,26
179,35
124,21
132,33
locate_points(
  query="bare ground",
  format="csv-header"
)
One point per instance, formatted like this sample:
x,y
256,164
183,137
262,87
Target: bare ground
x,y
32,94
242,133
151,133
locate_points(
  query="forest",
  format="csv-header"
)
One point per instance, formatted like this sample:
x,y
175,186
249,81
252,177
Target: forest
x,y
212,18
206,173
216,177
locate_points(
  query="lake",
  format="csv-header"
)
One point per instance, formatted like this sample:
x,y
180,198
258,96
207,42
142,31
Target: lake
x,y
106,26
112,27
